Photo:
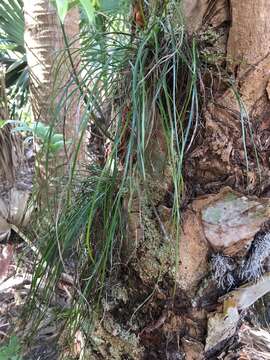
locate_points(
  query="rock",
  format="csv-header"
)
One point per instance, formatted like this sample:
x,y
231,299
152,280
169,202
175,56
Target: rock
x,y
230,220
225,222
221,327
194,267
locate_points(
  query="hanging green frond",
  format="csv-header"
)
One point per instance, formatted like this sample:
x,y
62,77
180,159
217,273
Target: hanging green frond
x,y
132,80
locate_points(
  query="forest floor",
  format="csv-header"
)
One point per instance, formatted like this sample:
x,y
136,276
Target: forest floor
x,y
15,283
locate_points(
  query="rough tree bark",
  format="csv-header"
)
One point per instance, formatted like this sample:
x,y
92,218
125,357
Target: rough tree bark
x,y
231,136
50,68
169,322
233,150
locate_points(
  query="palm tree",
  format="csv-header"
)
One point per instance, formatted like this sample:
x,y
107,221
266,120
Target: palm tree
x,y
51,68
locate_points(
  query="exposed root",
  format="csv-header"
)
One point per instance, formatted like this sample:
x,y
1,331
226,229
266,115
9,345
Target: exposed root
x,y
222,267
259,251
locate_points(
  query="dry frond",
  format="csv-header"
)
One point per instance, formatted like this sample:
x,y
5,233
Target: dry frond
x,y
13,197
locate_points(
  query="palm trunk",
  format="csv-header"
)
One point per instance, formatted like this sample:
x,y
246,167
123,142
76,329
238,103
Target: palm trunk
x,y
52,69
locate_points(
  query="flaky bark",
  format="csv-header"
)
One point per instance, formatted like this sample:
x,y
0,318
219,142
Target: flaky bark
x,y
234,149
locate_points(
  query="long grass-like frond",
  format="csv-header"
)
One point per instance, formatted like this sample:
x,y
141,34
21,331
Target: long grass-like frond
x,y
131,81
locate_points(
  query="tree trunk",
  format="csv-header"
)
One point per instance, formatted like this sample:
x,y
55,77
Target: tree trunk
x,y
235,149
51,71
190,319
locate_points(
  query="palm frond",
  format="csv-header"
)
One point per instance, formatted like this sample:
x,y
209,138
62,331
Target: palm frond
x,y
13,56
11,13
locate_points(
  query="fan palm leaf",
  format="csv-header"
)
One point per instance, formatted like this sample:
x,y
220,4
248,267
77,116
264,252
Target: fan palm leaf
x,y
12,51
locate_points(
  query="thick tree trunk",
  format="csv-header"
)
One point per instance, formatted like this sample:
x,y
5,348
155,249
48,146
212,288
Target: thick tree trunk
x,y
234,150
169,322
51,71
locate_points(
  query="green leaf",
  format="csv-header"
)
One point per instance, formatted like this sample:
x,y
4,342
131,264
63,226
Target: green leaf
x,y
2,123
11,351
8,46
73,3
57,137
55,147
89,9
40,130
110,5
62,7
